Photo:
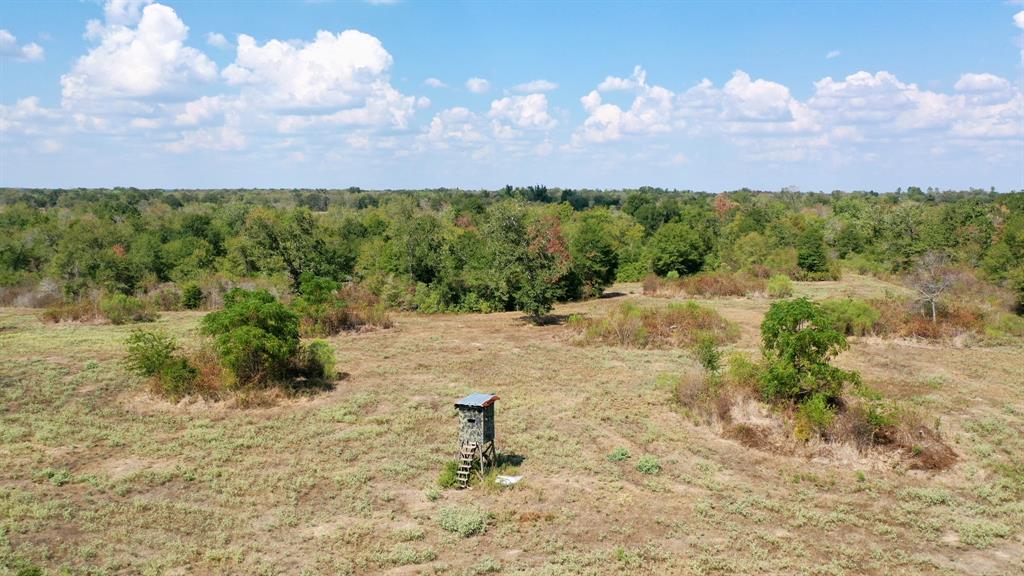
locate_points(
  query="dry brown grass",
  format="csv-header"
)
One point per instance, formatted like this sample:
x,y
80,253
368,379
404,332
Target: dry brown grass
x,y
905,318
675,325
706,285
82,310
100,477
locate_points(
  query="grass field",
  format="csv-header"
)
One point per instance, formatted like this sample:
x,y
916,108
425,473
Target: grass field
x,y
97,476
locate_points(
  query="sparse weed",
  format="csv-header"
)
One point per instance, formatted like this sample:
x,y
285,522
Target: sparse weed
x,y
464,521
619,454
648,464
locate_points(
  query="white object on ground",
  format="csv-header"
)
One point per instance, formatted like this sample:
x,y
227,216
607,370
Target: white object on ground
x,y
507,480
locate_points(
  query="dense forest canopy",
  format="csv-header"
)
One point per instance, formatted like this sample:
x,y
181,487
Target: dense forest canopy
x,y
509,249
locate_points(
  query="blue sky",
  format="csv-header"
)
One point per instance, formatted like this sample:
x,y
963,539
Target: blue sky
x,y
706,96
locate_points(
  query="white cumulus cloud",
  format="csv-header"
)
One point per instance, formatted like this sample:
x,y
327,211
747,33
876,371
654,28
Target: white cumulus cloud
x,y
529,112
217,40
133,60
9,48
756,99
652,110
337,78
435,83
478,85
458,123
981,83
769,124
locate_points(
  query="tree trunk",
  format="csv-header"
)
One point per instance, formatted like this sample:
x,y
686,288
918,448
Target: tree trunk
x,y
933,311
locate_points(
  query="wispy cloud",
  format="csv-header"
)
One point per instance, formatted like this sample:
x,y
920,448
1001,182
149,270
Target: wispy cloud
x,y
535,86
217,40
833,54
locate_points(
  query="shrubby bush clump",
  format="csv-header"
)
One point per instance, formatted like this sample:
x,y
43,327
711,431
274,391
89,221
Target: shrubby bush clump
x,y
851,317
705,284
122,309
315,360
465,522
798,341
678,324
325,309
321,311
165,297
255,345
255,336
815,399
155,356
779,286
648,464
192,297
114,308
708,354
447,478
83,310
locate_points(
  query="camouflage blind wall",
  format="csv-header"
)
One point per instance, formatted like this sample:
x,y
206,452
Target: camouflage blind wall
x,y
476,425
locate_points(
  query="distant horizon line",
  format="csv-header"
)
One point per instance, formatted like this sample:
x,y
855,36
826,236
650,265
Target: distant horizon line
x,y
644,188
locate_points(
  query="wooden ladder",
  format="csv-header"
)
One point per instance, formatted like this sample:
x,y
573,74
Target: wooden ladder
x,y
466,456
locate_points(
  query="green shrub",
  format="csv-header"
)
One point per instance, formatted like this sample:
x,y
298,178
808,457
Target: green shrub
x,y
322,312
404,555
618,455
851,317
815,415
811,255
149,352
648,464
672,275
152,354
1004,325
122,309
742,371
177,378
166,297
447,478
798,340
780,286
593,260
192,296
254,335
463,521
708,354
316,360
632,271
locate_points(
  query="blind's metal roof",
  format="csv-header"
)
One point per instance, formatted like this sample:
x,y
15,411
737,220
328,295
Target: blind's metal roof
x,y
477,400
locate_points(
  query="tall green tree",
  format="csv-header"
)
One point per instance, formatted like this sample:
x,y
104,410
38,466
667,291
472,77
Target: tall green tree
x,y
524,260
676,247
811,255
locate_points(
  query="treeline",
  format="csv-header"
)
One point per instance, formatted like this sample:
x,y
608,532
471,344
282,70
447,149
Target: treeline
x,y
453,250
